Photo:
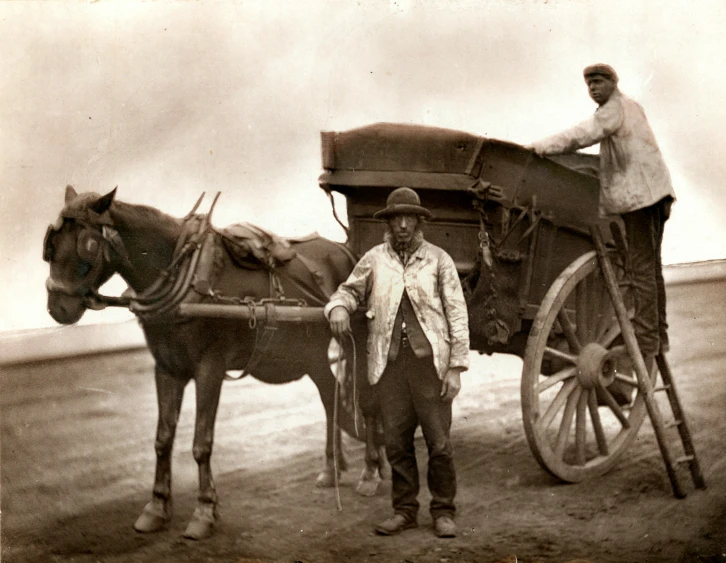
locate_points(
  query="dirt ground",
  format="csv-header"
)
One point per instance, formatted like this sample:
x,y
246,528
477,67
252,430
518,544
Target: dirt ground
x,y
78,465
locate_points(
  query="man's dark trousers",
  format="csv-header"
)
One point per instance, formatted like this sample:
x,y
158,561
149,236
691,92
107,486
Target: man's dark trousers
x,y
410,394
644,233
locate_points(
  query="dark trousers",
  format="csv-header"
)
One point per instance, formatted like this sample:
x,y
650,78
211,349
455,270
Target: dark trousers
x,y
644,233
409,392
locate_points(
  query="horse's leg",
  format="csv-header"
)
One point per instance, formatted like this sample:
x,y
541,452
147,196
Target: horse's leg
x,y
375,455
333,443
208,386
370,478
169,394
384,468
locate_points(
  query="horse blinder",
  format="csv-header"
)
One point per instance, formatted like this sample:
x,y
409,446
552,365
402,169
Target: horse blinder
x,y
88,245
47,241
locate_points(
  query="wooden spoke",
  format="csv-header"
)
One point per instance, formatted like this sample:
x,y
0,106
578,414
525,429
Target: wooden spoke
x,y
568,387
566,423
568,330
560,355
595,305
602,444
556,378
606,315
580,428
612,403
627,380
610,335
582,310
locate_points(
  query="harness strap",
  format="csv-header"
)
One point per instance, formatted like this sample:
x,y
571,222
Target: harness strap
x,y
178,286
262,343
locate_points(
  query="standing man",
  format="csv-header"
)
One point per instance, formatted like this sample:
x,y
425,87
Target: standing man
x,y
635,184
418,345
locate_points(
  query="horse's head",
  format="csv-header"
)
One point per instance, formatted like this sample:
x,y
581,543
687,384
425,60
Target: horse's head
x,y
81,248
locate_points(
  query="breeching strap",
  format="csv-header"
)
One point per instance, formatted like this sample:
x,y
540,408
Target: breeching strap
x,y
262,343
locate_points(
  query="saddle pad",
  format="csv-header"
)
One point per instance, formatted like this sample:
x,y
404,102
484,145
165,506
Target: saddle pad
x,y
305,238
248,244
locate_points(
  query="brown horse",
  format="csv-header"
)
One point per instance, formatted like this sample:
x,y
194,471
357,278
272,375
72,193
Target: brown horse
x,y
97,236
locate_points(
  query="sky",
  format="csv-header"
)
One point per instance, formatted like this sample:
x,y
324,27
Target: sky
x,y
169,99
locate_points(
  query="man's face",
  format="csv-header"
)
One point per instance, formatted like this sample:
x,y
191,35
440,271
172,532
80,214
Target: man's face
x,y
600,88
403,227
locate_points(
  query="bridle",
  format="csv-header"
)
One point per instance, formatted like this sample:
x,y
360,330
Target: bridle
x,y
94,246
99,241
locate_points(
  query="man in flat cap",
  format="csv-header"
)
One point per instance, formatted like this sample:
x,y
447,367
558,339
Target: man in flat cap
x,y
418,345
635,184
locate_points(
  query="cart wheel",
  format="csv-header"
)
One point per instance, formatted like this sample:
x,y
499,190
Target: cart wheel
x,y
575,367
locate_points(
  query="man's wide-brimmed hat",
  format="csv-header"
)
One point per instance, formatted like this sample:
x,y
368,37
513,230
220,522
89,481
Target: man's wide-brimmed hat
x,y
402,201
602,70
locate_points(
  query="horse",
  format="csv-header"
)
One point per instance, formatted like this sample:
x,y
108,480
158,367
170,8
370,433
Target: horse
x,y
167,261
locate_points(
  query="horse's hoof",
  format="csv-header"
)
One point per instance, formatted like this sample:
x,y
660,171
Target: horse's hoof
x,y
202,523
367,488
368,483
153,518
325,480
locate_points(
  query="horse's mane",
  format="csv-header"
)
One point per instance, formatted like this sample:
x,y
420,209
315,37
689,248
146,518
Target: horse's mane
x,y
146,215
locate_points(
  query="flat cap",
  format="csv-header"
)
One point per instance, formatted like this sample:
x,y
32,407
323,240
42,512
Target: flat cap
x,y
602,70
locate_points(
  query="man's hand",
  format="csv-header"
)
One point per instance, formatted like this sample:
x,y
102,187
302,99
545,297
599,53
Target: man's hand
x,y
451,385
339,321
533,148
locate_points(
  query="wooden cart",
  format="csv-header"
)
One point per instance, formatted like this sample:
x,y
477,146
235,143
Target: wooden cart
x,y
544,276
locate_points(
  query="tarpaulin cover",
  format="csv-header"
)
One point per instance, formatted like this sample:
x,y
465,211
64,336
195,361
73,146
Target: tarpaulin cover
x,y
419,148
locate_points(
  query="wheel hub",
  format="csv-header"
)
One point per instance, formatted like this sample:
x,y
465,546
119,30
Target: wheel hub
x,y
595,366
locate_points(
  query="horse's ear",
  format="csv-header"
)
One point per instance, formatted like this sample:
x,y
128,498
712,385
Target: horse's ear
x,y
70,193
103,203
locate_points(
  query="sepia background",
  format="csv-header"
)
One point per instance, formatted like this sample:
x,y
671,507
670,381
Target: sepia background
x,y
168,99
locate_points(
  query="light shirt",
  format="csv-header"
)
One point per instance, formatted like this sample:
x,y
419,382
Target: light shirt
x,y
633,174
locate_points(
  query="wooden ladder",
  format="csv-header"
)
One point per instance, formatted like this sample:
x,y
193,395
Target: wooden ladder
x,y
646,384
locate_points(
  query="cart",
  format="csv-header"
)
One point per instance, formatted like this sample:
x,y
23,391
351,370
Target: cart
x,y
544,276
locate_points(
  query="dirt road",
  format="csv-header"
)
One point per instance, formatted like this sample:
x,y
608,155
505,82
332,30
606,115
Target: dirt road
x,y
78,465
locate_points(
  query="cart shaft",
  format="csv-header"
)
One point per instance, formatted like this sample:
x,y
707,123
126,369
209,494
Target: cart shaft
x,y
268,312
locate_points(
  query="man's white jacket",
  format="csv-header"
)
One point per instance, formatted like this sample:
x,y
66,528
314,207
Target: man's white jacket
x,y
433,286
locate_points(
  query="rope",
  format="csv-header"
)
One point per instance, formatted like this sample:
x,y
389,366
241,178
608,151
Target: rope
x,y
336,409
336,434
335,214
355,383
